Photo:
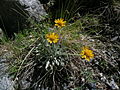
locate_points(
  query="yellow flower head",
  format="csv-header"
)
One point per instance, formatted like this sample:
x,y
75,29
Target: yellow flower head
x,y
52,37
60,22
87,53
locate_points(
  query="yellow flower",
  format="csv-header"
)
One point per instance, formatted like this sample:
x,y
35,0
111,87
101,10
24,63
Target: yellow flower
x,y
52,37
87,53
60,22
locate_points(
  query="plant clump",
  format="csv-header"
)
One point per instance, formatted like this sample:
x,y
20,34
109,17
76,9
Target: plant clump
x,y
66,55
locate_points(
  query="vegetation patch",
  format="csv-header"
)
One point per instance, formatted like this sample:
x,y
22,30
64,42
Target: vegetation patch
x,y
65,55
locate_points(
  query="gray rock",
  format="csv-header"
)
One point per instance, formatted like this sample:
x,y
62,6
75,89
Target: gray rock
x,y
34,8
5,82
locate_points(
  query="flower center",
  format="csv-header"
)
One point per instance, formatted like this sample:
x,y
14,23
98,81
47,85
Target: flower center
x,y
87,53
51,38
60,24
